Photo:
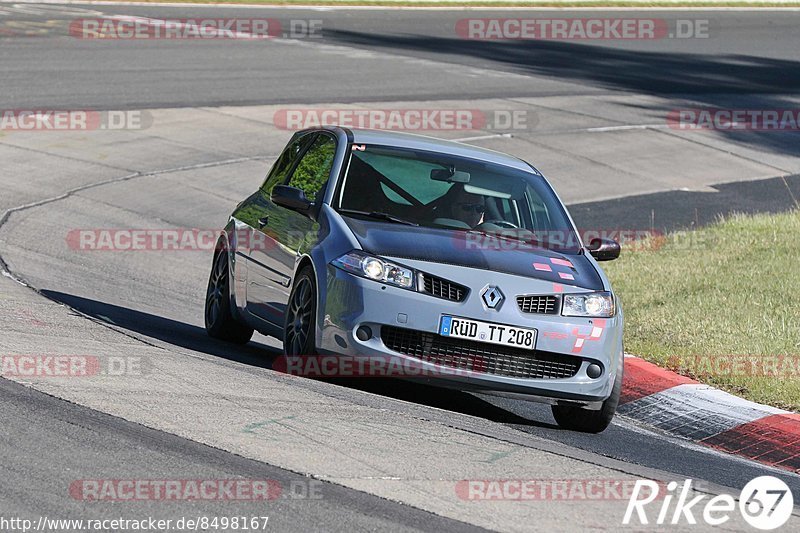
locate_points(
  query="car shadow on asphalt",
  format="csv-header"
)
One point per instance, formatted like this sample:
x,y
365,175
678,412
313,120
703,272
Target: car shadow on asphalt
x,y
165,329
260,355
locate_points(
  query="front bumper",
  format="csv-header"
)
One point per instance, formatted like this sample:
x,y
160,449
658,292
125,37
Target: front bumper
x,y
349,302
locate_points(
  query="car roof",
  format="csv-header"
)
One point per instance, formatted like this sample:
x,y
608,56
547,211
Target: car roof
x,y
433,144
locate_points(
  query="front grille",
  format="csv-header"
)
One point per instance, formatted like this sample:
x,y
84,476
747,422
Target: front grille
x,y
543,305
441,288
478,356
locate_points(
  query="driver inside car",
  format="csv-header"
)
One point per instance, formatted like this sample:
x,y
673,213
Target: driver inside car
x,y
465,207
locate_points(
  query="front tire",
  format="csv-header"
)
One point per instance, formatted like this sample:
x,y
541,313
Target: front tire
x,y
577,418
219,319
300,328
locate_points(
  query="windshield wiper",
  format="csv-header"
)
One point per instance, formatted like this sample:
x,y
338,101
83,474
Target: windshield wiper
x,y
379,215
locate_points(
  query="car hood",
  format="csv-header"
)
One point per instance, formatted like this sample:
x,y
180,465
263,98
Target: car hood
x,y
472,249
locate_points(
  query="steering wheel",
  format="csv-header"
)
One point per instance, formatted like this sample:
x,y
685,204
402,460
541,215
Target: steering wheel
x,y
502,223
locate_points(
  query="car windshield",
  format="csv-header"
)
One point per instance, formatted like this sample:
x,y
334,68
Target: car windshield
x,y
446,191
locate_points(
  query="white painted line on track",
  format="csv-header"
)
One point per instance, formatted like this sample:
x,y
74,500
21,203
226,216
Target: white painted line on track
x,y
482,137
628,127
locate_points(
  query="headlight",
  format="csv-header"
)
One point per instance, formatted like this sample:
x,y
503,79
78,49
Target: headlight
x,y
593,304
375,268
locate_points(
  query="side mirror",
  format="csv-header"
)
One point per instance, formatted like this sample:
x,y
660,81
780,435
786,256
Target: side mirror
x,y
604,249
291,198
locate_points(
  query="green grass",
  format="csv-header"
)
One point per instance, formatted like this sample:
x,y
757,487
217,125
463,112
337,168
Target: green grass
x,y
730,289
500,3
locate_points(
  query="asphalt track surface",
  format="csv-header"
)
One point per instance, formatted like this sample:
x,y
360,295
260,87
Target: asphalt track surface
x,y
751,62
746,53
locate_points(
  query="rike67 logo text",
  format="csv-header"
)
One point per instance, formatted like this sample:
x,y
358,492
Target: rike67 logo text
x,y
765,503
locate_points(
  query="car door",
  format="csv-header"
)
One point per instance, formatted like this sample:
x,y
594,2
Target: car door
x,y
280,235
254,208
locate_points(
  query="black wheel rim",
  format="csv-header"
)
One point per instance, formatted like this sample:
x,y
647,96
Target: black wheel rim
x,y
299,318
217,289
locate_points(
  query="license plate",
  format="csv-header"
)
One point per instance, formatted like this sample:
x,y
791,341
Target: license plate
x,y
464,328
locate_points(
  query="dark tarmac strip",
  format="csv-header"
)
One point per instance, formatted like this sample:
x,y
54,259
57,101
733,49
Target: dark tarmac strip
x,y
678,210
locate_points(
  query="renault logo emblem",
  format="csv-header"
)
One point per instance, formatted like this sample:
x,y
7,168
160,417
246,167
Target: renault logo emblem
x,y
492,297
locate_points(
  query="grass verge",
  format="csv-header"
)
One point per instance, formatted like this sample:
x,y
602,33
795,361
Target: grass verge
x,y
720,304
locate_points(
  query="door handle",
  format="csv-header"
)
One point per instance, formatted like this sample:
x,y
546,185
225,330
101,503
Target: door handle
x,y
263,221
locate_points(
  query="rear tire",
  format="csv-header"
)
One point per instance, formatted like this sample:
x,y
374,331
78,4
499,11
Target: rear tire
x,y
577,418
300,328
219,319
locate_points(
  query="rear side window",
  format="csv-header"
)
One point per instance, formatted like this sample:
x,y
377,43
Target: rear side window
x,y
286,161
315,166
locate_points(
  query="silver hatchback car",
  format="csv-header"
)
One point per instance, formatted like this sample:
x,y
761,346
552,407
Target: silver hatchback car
x,y
459,261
